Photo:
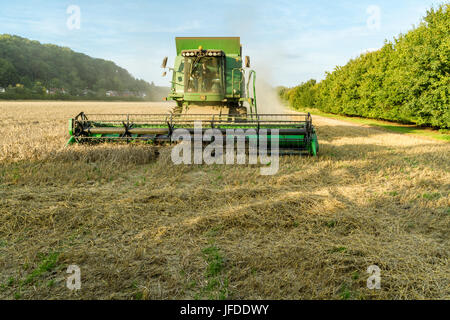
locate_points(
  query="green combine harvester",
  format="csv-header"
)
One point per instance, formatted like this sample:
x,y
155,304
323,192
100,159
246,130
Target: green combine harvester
x,y
210,84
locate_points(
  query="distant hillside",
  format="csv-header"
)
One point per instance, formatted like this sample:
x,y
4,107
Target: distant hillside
x,y
29,69
407,80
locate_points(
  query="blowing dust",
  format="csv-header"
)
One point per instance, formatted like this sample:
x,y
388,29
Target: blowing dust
x,y
267,98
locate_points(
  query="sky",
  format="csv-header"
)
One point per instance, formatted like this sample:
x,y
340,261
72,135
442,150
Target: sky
x,y
289,42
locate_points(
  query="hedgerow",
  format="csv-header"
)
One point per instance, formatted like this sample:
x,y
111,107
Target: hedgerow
x,y
407,80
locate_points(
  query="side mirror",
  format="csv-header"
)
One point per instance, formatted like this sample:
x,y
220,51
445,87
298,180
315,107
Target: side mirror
x,y
164,63
247,61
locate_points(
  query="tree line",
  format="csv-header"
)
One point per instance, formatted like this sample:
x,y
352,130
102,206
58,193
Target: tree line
x,y
407,80
29,69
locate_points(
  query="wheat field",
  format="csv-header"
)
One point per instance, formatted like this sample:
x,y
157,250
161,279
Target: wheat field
x,y
140,227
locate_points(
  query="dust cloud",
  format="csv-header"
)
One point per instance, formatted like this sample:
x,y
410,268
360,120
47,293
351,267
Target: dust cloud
x,y
244,23
267,98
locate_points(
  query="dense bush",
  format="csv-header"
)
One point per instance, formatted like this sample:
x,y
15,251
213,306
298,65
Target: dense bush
x,y
408,80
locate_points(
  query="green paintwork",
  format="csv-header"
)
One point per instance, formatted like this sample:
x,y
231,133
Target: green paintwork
x,y
203,97
71,127
233,81
233,91
294,142
229,45
71,141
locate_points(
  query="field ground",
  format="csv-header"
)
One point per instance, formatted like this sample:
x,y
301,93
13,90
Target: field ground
x,y
140,227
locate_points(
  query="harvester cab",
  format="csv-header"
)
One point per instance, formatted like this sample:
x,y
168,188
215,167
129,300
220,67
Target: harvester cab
x,y
211,85
209,77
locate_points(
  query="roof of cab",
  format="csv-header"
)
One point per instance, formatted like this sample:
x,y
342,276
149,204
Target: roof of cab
x,y
229,45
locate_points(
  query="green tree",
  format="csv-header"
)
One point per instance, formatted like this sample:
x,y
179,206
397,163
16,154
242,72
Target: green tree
x,y
8,74
407,80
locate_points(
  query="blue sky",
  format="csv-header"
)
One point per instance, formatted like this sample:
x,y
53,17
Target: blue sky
x,y
288,41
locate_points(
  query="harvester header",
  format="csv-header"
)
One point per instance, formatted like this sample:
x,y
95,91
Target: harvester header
x,y
211,83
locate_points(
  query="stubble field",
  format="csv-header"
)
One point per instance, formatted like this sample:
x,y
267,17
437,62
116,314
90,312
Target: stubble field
x,y
140,227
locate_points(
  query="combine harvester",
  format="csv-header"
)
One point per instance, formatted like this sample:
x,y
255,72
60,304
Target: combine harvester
x,y
208,85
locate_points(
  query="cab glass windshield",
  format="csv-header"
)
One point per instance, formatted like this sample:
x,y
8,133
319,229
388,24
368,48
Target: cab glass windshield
x,y
202,75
